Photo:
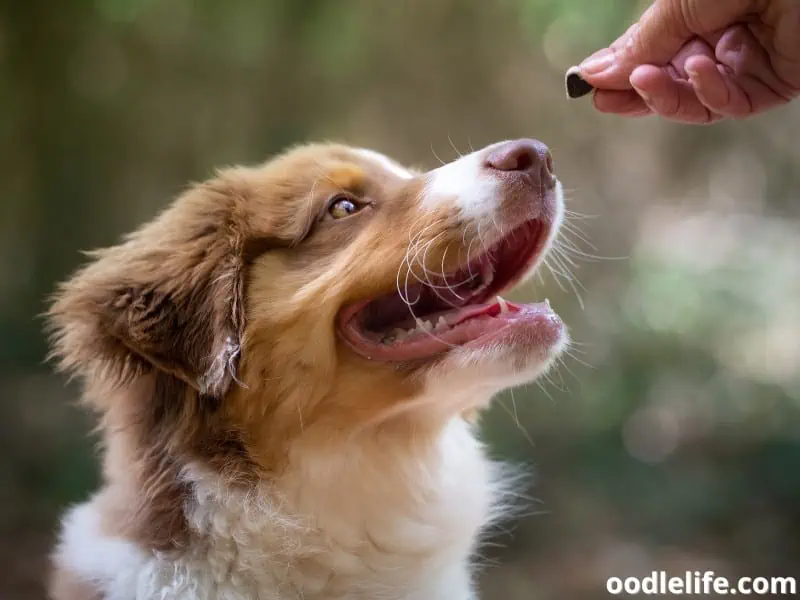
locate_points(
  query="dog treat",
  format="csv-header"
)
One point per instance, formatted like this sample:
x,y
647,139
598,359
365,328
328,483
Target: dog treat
x,y
577,86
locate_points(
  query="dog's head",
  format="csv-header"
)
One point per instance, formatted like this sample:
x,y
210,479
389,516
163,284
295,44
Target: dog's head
x,y
328,286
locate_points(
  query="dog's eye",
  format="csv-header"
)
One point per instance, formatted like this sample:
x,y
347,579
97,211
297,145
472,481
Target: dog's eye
x,y
341,207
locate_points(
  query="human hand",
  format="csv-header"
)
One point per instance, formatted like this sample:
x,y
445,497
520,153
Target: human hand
x,y
698,61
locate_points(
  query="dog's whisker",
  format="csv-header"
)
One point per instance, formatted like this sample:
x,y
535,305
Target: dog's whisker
x,y
436,156
544,390
564,266
570,228
453,146
427,273
561,272
515,416
563,255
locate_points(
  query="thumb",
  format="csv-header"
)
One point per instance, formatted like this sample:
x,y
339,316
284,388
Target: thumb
x,y
661,32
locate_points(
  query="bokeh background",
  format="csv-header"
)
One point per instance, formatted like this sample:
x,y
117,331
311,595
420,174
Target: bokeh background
x,y
669,440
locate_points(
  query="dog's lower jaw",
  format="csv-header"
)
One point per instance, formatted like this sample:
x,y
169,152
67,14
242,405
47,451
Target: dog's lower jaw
x,y
383,519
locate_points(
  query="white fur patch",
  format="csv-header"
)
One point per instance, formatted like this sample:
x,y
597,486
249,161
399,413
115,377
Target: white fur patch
x,y
465,184
112,565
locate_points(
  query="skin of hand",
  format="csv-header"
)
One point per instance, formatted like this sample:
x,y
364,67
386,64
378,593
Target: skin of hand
x,y
699,61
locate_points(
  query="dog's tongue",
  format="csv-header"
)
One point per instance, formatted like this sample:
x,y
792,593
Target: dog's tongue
x,y
441,332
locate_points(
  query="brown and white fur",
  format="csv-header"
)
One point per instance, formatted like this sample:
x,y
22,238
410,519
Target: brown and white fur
x,y
248,453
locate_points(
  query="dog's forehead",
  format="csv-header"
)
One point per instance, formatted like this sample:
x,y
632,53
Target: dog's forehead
x,y
343,166
383,162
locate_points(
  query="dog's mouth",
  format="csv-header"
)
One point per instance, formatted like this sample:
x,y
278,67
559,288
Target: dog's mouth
x,y
424,319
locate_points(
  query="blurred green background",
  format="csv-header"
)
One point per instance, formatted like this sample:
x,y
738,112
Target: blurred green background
x,y
670,439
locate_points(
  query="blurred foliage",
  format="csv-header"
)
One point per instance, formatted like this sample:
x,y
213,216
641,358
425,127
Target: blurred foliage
x,y
668,440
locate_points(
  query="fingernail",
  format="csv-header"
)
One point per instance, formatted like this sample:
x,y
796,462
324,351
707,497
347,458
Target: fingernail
x,y
597,62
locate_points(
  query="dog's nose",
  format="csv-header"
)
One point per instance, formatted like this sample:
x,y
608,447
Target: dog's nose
x,y
524,156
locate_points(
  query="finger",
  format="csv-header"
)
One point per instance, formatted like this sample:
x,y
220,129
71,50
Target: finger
x,y
611,67
760,96
746,58
696,47
660,33
603,59
668,97
620,102
716,89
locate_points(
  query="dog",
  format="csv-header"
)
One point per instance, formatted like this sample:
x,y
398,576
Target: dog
x,y
287,364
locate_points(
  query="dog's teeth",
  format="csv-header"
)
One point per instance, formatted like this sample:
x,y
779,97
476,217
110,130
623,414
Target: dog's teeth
x,y
441,322
424,325
400,334
503,305
388,339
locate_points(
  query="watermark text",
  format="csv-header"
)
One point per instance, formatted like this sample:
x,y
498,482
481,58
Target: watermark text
x,y
697,583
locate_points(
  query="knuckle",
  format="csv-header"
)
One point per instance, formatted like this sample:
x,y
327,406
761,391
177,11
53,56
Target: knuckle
x,y
691,13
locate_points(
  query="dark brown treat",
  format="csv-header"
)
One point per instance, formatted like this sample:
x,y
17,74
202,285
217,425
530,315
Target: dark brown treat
x,y
577,86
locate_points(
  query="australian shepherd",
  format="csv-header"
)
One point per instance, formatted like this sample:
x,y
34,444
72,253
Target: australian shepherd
x,y
287,363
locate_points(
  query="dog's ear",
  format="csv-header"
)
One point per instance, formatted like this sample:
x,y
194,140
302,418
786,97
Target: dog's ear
x,y
170,297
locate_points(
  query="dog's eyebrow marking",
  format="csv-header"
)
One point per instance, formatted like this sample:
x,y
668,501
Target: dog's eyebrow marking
x,y
386,162
348,177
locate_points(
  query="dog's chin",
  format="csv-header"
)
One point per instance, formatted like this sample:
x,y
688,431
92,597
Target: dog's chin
x,y
514,355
